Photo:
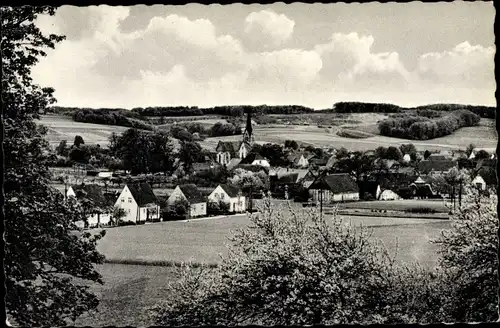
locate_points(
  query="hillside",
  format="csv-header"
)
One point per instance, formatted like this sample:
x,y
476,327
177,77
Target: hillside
x,y
484,135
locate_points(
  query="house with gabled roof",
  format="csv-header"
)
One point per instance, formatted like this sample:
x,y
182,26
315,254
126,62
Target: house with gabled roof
x,y
190,193
139,202
231,195
94,202
298,159
334,188
226,150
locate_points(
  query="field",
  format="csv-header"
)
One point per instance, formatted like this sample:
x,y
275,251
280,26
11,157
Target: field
x,y
203,240
483,136
129,290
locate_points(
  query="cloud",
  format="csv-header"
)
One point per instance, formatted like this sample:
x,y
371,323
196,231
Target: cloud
x,y
464,65
349,63
175,40
268,27
176,60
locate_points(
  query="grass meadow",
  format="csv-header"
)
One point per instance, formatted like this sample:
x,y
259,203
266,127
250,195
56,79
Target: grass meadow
x,y
129,290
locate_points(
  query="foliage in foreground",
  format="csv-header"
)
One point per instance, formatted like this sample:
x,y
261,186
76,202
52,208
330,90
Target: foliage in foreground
x,y
48,262
300,269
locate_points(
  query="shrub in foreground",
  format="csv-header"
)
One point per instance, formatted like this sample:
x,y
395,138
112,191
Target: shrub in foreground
x,y
287,269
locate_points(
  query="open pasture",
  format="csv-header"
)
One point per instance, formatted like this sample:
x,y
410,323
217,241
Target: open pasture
x,y
203,240
64,128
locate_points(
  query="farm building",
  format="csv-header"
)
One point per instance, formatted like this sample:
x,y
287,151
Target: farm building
x,y
139,202
486,176
334,188
231,195
94,201
191,194
407,158
255,159
479,182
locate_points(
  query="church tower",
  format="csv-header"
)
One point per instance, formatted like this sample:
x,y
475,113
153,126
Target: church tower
x,y
248,137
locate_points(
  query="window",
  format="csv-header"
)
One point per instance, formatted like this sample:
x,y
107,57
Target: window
x,y
123,199
130,199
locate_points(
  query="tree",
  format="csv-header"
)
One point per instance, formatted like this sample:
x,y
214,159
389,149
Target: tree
x,y
62,149
43,254
342,152
292,144
408,149
482,154
469,261
118,214
274,154
189,153
78,141
427,154
143,152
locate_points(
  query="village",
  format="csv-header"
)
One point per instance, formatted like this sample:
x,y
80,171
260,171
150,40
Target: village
x,y
311,176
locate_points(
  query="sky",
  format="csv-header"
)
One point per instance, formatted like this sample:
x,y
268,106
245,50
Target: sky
x,y
278,54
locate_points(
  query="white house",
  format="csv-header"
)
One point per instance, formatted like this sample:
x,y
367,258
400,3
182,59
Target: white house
x,y
479,182
70,192
334,188
407,158
231,195
139,203
191,194
105,174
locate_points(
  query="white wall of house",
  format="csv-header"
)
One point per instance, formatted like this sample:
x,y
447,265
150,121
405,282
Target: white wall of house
x,y
198,209
479,182
243,151
175,196
328,196
303,162
261,162
407,158
128,203
236,204
70,192
223,157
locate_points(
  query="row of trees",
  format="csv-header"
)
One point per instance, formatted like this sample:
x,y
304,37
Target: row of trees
x,y
237,110
423,128
362,107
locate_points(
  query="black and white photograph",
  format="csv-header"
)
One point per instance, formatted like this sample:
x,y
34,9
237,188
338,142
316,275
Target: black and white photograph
x,y
249,164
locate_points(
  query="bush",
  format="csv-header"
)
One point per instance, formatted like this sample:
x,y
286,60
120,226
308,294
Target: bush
x,y
286,270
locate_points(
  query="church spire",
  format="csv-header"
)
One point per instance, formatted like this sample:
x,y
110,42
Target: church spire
x,y
248,137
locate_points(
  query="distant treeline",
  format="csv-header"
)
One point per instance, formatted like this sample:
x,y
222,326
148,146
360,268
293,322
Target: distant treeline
x,y
121,117
221,110
423,128
361,107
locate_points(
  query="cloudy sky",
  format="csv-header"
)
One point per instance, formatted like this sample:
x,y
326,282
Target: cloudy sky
x,y
307,54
